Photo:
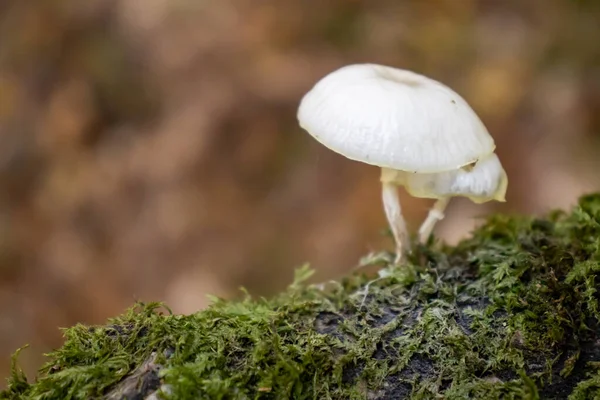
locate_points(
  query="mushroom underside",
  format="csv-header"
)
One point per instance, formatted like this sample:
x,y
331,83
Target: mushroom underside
x,y
484,181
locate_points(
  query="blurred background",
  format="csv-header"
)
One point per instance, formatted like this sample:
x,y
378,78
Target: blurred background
x,y
150,150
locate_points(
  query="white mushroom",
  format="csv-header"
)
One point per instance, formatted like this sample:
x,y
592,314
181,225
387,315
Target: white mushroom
x,y
422,134
482,182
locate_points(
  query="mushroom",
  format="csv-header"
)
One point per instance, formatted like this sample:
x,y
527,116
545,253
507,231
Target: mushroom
x,y
423,135
484,181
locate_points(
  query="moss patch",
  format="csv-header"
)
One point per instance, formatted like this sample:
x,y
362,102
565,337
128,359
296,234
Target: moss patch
x,y
511,313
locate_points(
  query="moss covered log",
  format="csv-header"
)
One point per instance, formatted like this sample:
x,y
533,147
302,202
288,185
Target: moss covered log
x,y
513,312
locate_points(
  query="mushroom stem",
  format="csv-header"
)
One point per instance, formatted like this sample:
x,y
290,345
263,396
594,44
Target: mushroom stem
x,y
393,212
435,214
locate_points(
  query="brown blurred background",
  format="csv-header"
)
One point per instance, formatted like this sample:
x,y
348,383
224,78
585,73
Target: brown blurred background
x,y
150,150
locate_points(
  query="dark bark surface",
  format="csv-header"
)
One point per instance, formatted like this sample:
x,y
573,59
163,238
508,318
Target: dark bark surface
x,y
510,313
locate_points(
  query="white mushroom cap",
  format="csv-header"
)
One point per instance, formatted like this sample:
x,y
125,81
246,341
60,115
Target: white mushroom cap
x,y
395,119
486,181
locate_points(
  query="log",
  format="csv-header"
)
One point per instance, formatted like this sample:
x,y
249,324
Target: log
x,y
511,312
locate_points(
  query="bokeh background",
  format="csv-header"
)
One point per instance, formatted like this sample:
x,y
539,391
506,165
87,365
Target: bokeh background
x,y
149,149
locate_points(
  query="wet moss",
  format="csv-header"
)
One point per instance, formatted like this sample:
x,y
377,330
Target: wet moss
x,y
513,312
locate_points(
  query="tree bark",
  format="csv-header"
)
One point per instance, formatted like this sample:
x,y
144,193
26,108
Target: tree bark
x,y
511,312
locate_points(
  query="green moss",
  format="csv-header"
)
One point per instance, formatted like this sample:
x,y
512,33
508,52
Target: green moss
x,y
510,313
